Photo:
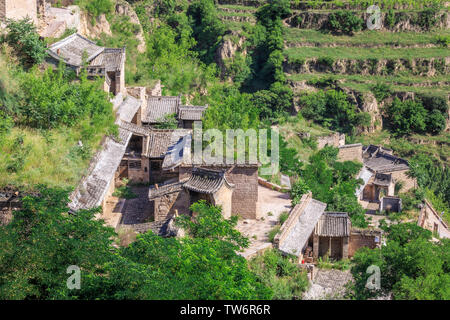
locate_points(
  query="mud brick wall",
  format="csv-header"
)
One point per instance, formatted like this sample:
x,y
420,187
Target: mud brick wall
x,y
141,175
18,9
335,140
350,152
245,193
408,183
361,239
166,205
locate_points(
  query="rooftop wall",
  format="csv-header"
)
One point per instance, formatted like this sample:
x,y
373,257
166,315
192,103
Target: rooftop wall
x,y
18,9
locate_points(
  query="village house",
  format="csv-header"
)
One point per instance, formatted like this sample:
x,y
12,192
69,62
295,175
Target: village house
x,y
80,53
431,220
310,233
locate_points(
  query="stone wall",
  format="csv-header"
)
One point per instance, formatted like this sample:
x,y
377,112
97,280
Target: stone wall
x,y
166,205
350,152
430,219
408,183
363,238
245,193
335,139
18,9
140,175
223,198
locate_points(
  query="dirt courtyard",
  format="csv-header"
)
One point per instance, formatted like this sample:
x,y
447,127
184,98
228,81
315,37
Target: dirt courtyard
x,y
271,203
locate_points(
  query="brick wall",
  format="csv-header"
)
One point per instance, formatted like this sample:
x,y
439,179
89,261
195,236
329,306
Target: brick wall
x,y
408,183
245,192
430,219
166,205
335,139
350,152
359,239
18,9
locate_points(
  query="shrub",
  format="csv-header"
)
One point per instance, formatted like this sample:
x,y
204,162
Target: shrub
x,y
436,122
381,91
23,37
273,233
442,40
326,61
344,22
283,217
96,7
390,18
406,117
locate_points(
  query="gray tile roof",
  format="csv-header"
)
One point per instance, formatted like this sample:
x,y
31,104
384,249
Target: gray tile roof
x,y
162,141
128,109
179,150
333,224
206,181
161,190
194,113
92,190
158,107
305,218
111,59
384,162
71,49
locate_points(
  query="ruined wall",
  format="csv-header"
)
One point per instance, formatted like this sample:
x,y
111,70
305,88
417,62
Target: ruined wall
x,y
408,183
430,219
166,205
18,9
363,238
350,152
335,139
140,175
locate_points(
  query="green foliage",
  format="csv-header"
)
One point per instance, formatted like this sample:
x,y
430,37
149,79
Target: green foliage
x,y
442,40
331,182
390,20
169,121
23,37
207,28
281,274
96,7
207,222
230,109
411,116
283,217
411,266
381,91
289,163
42,241
52,100
124,191
273,232
331,109
428,18
344,21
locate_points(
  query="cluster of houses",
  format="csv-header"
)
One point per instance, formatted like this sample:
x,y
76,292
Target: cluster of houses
x,y
162,160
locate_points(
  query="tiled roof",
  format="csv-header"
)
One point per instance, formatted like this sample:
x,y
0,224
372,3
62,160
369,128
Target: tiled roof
x,y
71,49
304,218
194,113
128,109
333,224
158,107
162,141
384,162
111,59
92,190
206,181
161,190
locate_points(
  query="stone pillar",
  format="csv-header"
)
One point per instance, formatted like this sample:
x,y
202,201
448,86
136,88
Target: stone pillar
x,y
345,241
315,246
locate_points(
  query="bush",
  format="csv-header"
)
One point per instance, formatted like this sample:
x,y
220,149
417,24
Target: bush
x,y
406,117
344,22
283,217
381,91
96,7
23,37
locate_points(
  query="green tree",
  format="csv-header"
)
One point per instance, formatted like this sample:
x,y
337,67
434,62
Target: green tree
x,y
406,117
23,37
42,241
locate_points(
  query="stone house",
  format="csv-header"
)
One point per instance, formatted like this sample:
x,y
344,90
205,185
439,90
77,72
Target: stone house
x,y
310,233
157,108
431,220
106,63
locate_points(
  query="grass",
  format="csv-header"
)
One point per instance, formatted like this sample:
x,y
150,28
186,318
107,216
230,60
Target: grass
x,y
53,157
369,37
365,53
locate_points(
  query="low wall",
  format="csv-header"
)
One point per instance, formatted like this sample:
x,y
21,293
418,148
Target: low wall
x,y
363,238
